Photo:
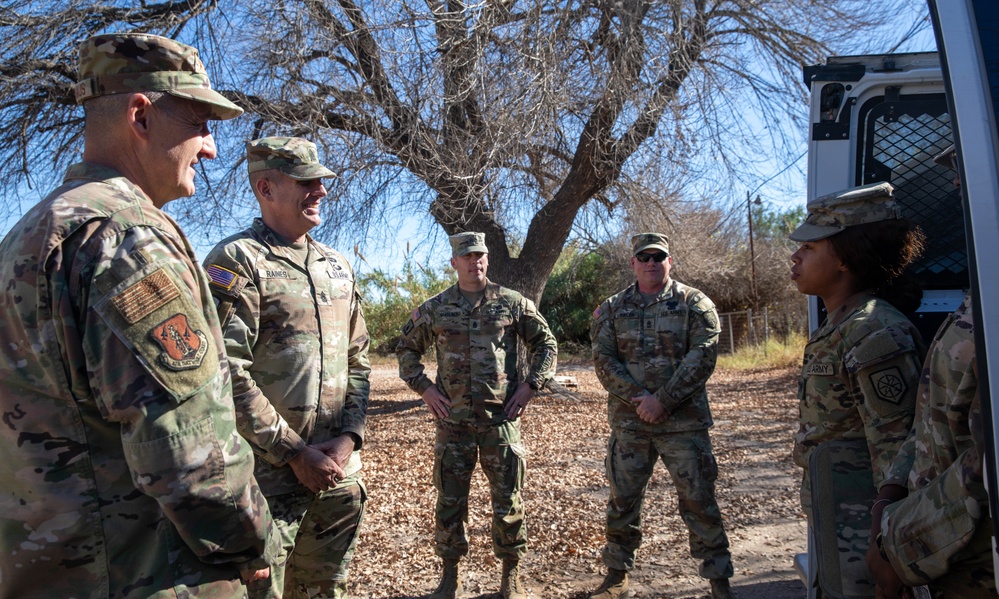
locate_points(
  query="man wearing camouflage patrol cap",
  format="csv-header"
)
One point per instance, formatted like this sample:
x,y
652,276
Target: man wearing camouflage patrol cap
x,y
654,347
474,327
298,353
122,470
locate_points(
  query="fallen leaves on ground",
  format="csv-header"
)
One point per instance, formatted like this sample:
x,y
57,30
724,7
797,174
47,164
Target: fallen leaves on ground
x,y
566,491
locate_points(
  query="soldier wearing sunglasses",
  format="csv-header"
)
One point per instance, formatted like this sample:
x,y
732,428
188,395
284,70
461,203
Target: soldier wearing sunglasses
x,y
654,347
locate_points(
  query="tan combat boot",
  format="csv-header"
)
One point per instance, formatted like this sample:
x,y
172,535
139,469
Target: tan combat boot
x,y
614,586
450,586
720,589
510,587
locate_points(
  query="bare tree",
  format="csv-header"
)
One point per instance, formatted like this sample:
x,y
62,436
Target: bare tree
x,y
504,116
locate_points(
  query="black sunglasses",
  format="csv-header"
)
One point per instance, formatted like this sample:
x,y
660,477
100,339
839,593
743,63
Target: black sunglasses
x,y
658,257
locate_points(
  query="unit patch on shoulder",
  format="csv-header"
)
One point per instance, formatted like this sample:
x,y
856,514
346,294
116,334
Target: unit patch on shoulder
x,y
889,385
183,347
140,299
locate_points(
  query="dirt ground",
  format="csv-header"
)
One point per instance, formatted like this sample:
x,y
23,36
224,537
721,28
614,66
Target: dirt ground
x,y
565,493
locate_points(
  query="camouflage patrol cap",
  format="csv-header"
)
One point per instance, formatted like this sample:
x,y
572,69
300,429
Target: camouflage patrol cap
x,y
121,63
468,242
293,156
645,241
947,158
830,214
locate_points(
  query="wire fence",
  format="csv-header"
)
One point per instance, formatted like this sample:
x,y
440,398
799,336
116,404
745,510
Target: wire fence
x,y
749,327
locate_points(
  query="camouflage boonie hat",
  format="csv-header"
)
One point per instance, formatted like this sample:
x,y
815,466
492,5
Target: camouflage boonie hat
x,y
121,63
292,156
830,214
468,242
645,241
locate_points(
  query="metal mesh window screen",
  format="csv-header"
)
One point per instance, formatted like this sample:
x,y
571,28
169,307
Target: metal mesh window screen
x,y
899,140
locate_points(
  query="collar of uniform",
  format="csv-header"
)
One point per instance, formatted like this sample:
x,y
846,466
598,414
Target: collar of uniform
x,y
278,246
836,318
452,295
634,296
105,174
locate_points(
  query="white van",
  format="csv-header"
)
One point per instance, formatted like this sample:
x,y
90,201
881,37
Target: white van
x,y
880,118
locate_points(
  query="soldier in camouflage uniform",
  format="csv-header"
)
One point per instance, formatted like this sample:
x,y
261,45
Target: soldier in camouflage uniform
x,y
861,366
654,347
940,534
298,352
121,469
477,400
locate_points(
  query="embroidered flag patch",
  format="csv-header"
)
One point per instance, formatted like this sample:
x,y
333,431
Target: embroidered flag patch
x,y
139,300
221,277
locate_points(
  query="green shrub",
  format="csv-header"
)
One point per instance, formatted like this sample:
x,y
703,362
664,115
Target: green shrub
x,y
389,300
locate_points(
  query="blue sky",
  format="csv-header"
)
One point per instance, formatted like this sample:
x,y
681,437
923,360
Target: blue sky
x,y
781,185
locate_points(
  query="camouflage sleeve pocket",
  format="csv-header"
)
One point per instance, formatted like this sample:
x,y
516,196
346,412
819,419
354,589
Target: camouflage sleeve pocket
x,y
152,313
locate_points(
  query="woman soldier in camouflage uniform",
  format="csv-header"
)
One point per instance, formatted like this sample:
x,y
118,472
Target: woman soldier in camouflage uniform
x,y
861,366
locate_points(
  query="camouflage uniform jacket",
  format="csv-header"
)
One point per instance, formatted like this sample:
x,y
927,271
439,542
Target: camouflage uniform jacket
x,y
476,350
297,345
122,471
667,347
858,381
942,529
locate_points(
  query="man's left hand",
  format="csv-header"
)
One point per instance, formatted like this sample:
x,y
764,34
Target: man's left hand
x,y
338,448
514,408
648,408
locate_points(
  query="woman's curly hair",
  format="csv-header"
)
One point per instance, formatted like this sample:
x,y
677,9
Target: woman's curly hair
x,y
879,254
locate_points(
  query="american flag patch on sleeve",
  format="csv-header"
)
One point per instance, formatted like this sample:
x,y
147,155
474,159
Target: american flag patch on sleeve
x,y
221,277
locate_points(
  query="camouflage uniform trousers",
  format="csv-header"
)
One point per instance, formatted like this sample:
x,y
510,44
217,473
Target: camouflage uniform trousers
x,y
498,448
631,457
318,537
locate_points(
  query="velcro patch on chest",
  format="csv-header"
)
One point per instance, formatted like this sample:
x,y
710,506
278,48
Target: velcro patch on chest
x,y
274,274
820,370
141,299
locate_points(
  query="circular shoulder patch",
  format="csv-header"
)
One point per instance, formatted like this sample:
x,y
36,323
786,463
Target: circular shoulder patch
x,y
889,384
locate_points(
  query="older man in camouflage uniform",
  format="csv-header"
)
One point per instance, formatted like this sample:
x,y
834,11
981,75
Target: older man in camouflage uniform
x,y
654,347
940,535
122,471
478,398
298,347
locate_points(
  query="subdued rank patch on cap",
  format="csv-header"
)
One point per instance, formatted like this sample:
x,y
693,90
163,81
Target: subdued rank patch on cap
x,y
467,243
118,63
646,241
292,156
832,213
